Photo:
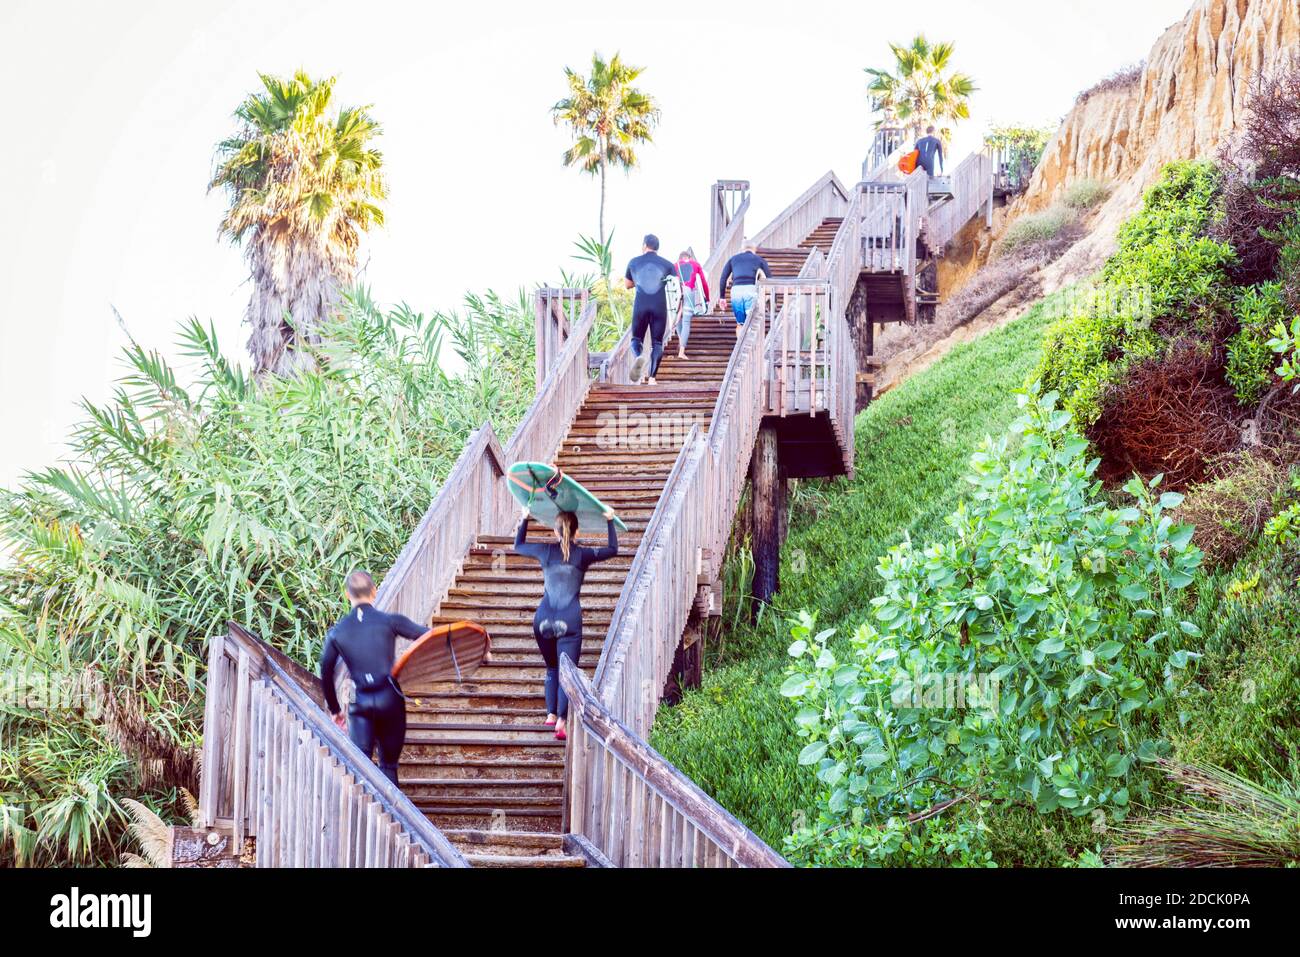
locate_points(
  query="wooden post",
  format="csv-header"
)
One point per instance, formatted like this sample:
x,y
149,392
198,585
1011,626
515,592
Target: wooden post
x,y
688,662
863,330
769,498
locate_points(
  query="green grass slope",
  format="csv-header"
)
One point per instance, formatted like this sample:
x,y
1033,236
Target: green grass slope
x,y
734,736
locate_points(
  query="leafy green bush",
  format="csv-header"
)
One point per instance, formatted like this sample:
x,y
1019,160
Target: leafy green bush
x,y
1258,310
1164,247
1285,344
1165,275
1036,228
1085,193
1284,527
1022,659
733,736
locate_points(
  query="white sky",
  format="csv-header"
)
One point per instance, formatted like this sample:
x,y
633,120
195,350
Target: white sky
x,y
114,109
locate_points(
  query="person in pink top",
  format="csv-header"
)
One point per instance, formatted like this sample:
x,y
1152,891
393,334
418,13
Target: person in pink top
x,y
695,297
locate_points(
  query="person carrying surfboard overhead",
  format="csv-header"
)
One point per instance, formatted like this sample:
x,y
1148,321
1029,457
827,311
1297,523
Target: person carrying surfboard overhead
x,y
649,274
557,624
366,639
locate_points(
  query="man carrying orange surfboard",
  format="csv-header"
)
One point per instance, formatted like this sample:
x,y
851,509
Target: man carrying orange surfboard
x,y
366,639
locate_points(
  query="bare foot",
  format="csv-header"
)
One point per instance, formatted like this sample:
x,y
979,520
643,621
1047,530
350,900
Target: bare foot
x,y
681,355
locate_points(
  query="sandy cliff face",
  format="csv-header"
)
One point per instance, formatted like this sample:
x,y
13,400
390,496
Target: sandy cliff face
x,y
1187,98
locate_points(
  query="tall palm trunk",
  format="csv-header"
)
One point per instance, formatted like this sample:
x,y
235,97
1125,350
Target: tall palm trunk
x,y
297,283
602,203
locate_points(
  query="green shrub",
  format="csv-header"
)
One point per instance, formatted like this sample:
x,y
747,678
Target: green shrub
x,y
1258,310
1285,344
1284,527
1085,193
733,736
1165,274
1022,659
1036,228
1165,247
1243,714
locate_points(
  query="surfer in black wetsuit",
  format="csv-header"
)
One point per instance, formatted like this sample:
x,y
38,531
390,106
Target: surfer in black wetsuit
x,y
366,640
557,625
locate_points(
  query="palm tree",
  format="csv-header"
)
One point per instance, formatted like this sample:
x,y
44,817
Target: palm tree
x,y
922,89
608,117
303,185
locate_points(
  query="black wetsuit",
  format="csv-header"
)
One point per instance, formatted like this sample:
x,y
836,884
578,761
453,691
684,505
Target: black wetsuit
x,y
366,640
930,148
557,625
649,272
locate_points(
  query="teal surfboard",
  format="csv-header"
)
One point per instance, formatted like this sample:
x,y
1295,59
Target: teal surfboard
x,y
546,492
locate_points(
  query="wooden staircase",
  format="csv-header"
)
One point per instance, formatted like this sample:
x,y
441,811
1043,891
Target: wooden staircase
x,y
483,781
479,761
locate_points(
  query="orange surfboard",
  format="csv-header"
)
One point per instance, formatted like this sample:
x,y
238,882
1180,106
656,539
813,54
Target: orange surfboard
x,y
446,653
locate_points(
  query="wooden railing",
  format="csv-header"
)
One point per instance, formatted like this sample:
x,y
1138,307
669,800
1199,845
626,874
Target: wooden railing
x,y
972,188
886,149
1012,168
797,353
823,199
691,519
558,312
726,196
278,770
473,501
634,806
892,213
811,361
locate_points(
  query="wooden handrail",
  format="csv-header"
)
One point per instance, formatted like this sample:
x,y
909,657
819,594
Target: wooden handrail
x,y
473,501
558,312
886,150
972,189
633,805
692,516
545,423
277,768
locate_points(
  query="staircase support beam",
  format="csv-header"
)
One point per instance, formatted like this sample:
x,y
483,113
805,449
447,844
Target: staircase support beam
x,y
769,500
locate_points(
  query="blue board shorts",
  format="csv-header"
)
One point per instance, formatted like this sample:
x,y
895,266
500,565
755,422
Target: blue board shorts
x,y
742,302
